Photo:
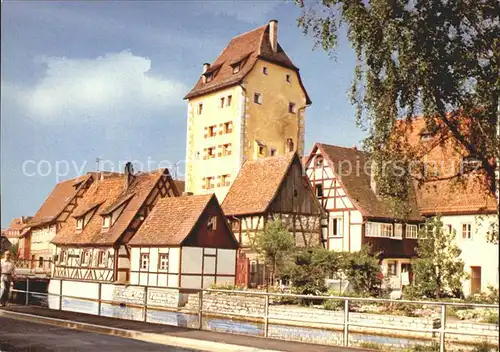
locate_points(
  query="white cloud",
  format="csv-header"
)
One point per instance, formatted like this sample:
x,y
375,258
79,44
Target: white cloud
x,y
114,86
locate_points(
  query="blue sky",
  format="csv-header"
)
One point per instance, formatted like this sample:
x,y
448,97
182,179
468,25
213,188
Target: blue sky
x,y
86,79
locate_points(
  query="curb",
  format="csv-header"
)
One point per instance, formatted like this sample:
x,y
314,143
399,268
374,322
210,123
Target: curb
x,y
172,341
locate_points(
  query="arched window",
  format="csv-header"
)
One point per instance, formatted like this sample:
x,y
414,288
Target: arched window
x,y
289,145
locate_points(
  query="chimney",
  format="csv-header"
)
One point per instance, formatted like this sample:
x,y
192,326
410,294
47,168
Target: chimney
x,y
373,183
206,66
273,35
128,175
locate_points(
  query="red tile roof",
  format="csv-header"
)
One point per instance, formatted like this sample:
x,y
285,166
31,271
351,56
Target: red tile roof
x,y
108,193
172,220
356,182
256,185
17,227
469,195
57,200
250,47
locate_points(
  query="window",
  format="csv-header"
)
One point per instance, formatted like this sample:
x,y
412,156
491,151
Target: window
x,y
210,153
79,223
336,227
470,163
106,221
208,183
411,231
144,261
273,152
288,78
228,127
450,228
466,231
236,68
319,161
212,223
209,77
163,263
224,180
226,149
229,99
386,230
62,256
85,257
257,98
261,149
200,108
291,108
211,131
289,144
264,70
40,262
319,190
398,230
392,268
222,101
425,136
101,258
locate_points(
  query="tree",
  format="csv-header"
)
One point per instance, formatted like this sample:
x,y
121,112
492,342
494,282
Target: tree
x,y
274,244
362,269
438,270
440,59
329,262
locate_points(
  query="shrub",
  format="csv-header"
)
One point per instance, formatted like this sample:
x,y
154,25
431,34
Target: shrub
x,y
484,347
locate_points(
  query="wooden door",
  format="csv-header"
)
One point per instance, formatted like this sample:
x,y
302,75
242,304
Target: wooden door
x,y
475,279
242,270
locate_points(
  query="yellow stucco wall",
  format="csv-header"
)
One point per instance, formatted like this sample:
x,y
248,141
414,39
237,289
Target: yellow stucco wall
x,y
269,123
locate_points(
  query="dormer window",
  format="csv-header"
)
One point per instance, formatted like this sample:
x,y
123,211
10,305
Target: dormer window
x,y
425,136
106,221
212,223
209,77
470,162
79,224
236,67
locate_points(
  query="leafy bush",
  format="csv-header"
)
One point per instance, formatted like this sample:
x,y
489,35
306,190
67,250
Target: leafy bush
x,y
362,270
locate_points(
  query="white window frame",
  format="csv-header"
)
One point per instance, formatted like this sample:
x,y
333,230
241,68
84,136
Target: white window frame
x,y
144,260
106,221
379,229
469,238
162,261
79,223
411,231
340,227
398,231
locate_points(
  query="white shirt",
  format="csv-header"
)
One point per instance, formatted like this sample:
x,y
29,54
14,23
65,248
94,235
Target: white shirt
x,y
8,269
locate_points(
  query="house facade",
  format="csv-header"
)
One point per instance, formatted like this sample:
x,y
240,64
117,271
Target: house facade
x,y
467,208
52,215
185,243
248,104
92,244
267,189
356,216
16,234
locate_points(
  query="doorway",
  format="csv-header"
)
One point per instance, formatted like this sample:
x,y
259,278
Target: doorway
x,y
475,279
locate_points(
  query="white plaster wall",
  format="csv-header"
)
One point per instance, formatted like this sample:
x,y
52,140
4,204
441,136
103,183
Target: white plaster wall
x,y
191,281
40,241
226,262
476,251
191,260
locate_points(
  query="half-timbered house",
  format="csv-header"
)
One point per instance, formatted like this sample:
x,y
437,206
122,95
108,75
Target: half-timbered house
x,y
266,189
343,182
52,215
185,242
92,243
16,234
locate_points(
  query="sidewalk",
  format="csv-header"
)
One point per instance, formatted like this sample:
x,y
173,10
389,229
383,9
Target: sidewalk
x,y
162,334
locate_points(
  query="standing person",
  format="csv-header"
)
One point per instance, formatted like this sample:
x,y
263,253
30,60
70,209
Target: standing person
x,y
7,273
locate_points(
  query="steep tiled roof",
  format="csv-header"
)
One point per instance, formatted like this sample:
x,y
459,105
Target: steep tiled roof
x,y
57,200
256,185
107,193
356,182
249,47
171,220
470,195
16,227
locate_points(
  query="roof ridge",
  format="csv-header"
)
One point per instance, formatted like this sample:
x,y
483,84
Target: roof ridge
x,y
248,32
343,147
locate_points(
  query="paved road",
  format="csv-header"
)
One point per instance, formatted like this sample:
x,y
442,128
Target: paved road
x,y
17,336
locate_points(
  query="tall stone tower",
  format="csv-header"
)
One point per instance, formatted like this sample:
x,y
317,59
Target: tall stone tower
x,y
249,103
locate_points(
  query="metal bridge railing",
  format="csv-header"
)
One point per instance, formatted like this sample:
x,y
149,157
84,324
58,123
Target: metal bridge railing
x,y
346,323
